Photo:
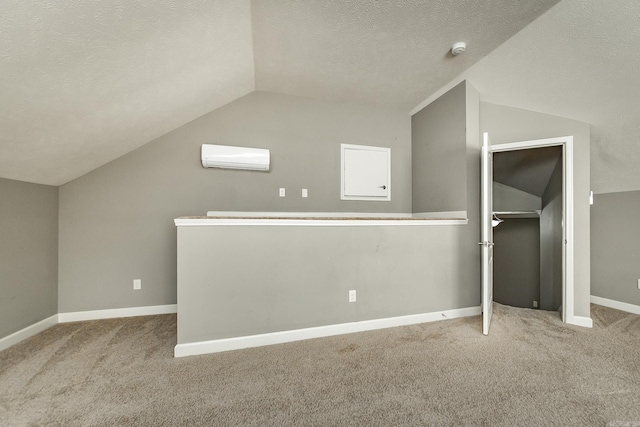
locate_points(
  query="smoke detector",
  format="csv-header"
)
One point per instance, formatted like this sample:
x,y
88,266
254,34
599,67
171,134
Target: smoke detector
x,y
458,48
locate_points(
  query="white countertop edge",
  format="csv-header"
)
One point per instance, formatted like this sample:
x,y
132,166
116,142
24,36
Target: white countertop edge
x,y
320,222
319,215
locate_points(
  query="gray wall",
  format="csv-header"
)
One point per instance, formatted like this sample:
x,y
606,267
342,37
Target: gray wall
x,y
551,243
438,154
507,124
395,270
615,237
516,274
507,198
28,254
116,223
528,252
231,282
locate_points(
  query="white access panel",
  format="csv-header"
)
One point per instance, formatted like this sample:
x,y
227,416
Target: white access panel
x,y
366,173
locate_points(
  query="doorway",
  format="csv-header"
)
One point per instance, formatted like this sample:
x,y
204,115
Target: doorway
x,y
527,208
566,222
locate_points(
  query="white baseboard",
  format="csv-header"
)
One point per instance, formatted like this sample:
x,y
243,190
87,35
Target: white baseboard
x,y
79,316
581,321
623,306
113,313
28,332
237,343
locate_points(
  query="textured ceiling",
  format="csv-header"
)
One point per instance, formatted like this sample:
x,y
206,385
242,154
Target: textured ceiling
x,y
84,82
391,53
579,60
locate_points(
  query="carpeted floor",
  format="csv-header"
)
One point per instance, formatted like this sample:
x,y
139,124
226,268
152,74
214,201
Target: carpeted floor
x,y
532,370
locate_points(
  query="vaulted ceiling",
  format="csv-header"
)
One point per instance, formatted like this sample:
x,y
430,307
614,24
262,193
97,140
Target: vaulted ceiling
x,y
579,61
83,83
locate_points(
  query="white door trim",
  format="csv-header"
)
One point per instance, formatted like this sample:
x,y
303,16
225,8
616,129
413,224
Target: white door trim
x,y
568,218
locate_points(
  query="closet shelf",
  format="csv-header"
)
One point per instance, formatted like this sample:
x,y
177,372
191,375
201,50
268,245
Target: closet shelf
x,y
518,214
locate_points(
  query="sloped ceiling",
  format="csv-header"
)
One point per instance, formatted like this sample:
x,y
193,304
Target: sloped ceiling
x,y
579,60
84,82
390,53
527,170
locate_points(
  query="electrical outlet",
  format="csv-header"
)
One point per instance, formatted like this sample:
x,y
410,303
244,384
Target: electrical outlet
x,y
137,284
305,193
282,192
352,295
535,304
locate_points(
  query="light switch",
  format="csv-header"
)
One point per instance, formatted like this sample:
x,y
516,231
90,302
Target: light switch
x,y
304,192
282,192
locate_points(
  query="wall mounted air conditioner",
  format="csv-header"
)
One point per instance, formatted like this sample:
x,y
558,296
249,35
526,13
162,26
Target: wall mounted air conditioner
x,y
228,157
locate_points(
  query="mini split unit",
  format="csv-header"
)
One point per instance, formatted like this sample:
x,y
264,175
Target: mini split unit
x,y
228,157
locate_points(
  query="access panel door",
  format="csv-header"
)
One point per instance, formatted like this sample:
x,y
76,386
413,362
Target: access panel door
x,y
366,173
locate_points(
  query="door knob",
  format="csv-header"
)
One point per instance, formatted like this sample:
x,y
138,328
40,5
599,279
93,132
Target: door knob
x,y
384,187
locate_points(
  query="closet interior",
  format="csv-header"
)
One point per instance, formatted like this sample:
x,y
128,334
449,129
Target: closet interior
x,y
528,220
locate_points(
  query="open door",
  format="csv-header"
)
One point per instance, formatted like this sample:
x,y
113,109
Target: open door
x,y
568,255
486,231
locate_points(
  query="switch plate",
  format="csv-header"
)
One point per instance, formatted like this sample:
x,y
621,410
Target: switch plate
x,y
535,304
638,283
352,295
137,284
305,193
282,192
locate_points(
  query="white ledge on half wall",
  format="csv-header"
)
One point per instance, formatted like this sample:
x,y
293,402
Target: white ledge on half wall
x,y
383,215
251,214
326,219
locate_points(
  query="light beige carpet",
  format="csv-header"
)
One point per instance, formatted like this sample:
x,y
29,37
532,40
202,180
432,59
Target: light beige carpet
x,y
532,370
